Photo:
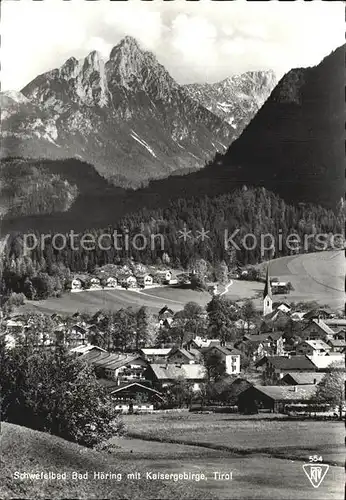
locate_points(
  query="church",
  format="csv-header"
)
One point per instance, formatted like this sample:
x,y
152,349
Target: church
x,y
267,296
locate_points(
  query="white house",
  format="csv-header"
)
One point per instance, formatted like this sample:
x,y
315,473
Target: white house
x,y
145,280
111,282
313,348
164,276
230,358
76,284
95,283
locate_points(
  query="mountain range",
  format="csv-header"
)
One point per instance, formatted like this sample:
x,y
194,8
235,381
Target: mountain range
x,y
127,116
294,146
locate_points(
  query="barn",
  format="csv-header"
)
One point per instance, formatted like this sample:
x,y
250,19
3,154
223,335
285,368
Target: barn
x,y
274,398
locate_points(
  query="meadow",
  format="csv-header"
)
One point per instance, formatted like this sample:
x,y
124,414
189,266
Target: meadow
x,y
315,277
218,444
264,453
265,433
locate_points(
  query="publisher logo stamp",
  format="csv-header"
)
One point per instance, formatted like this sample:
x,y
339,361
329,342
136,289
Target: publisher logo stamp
x,y
315,472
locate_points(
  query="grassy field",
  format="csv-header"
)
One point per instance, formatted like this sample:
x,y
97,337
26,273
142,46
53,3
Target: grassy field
x,y
256,473
315,277
25,450
244,434
264,455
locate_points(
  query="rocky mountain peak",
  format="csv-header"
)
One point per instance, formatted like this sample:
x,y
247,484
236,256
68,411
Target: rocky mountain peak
x,y
127,45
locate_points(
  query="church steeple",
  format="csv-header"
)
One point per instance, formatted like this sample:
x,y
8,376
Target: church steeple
x,y
267,296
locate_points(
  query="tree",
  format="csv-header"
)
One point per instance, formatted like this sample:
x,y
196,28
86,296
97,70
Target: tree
x,y
214,365
248,313
221,273
199,272
180,393
52,391
331,389
221,315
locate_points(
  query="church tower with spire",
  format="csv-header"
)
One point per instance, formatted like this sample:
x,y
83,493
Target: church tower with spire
x,y
267,296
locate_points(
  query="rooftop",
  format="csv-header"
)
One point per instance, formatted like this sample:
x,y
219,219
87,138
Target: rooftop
x,y
321,362
289,363
305,378
173,372
287,393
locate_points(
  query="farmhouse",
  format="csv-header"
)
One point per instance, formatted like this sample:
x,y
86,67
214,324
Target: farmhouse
x,y
76,335
77,284
280,287
163,276
199,343
162,376
313,348
262,344
144,280
275,367
128,281
338,325
180,355
111,282
134,395
318,314
337,345
119,367
94,283
282,306
317,329
274,398
302,378
166,312
154,355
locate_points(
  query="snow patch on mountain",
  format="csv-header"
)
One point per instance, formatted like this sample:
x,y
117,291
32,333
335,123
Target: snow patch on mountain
x,y
135,136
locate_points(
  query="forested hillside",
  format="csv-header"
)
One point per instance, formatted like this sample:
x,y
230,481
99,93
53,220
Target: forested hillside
x,y
188,230
27,188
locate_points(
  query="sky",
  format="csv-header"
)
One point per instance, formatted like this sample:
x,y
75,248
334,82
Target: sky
x,y
201,41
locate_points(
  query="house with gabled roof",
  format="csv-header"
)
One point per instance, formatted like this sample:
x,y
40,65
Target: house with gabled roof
x,y
163,375
163,276
231,357
337,345
155,354
81,350
313,348
144,280
275,398
302,378
262,344
338,325
318,314
135,395
317,329
120,367
179,355
274,368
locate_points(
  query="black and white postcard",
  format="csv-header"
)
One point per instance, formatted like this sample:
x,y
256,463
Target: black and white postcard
x,y
172,250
